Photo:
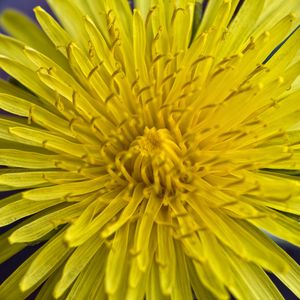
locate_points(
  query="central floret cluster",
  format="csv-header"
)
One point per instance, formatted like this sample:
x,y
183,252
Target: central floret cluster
x,y
155,159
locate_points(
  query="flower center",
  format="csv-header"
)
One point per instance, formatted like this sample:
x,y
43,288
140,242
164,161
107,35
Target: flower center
x,y
150,143
156,160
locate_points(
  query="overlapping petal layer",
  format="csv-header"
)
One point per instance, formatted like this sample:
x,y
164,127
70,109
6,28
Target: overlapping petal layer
x,y
150,148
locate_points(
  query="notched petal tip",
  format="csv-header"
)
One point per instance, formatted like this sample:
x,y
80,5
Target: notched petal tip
x,y
24,286
38,9
11,239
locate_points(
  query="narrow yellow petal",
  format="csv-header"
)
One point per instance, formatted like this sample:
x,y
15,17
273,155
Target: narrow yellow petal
x,y
166,259
102,46
55,251
210,14
144,231
46,291
91,279
291,278
241,27
273,12
34,113
127,213
210,280
54,31
24,159
48,221
116,260
236,235
8,88
181,24
27,77
25,30
13,49
23,208
66,189
75,235
8,287
216,257
27,179
82,66
248,275
98,12
139,46
153,289
82,102
50,141
67,11
198,288
143,6
76,263
181,289
137,292
10,139
279,225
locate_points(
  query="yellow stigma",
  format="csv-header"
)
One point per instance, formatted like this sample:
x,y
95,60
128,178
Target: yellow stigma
x,y
150,143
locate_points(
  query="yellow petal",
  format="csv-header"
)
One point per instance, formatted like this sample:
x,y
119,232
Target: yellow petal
x,y
91,279
50,141
75,235
27,77
279,225
65,189
23,208
291,278
24,159
166,259
153,289
76,263
242,25
25,30
181,289
48,221
55,251
67,11
27,179
116,260
54,31
247,275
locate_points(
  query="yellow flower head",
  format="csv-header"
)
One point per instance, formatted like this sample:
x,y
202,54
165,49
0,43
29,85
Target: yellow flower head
x,y
150,148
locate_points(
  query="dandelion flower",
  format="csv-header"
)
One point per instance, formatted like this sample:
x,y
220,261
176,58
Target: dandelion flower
x,y
151,149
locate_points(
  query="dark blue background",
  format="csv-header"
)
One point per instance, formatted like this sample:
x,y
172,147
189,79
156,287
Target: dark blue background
x,y
7,267
23,5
